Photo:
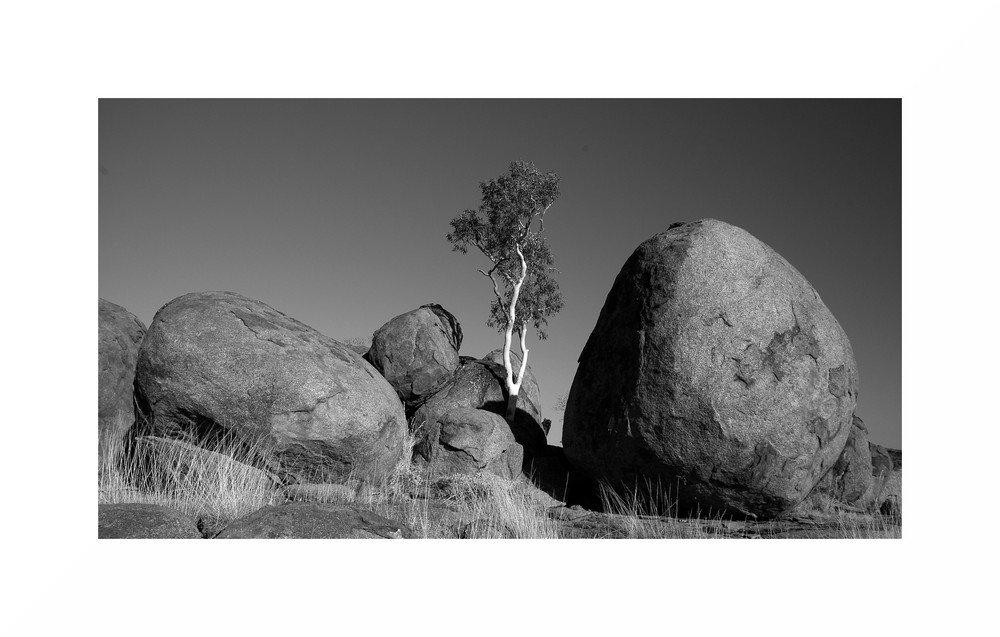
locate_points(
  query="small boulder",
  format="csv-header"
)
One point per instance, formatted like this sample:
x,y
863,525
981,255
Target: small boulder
x,y
417,352
464,440
217,365
714,373
887,475
881,460
144,521
480,384
303,520
119,334
850,478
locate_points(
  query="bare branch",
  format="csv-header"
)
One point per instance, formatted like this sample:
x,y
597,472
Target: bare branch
x,y
489,275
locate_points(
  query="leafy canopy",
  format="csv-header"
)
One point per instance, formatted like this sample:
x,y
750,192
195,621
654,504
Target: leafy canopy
x,y
511,218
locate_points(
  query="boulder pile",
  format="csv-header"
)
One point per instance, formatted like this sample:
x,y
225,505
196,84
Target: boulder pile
x,y
714,383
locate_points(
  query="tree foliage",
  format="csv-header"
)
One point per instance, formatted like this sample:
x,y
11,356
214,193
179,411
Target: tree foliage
x,y
507,226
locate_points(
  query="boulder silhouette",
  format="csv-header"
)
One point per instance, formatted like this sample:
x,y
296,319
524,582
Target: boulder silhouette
x,y
119,334
715,374
417,352
479,384
464,440
218,367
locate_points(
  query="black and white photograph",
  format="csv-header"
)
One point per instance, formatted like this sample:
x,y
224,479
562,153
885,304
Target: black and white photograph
x,y
591,318
617,316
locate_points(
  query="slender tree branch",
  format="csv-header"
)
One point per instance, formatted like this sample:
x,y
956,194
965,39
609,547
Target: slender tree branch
x,y
489,275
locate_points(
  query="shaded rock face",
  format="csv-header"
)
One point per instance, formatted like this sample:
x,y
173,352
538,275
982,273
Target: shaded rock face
x,y
119,334
887,475
303,520
881,460
850,478
715,373
549,470
144,521
217,365
417,352
479,384
464,440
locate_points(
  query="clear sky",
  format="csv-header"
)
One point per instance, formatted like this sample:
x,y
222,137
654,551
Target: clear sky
x,y
335,211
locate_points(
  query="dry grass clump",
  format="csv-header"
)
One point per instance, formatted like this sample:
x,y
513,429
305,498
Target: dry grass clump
x,y
218,483
649,513
496,507
853,522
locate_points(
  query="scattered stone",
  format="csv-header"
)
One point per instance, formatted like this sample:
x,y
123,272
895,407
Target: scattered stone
x,y
144,521
716,374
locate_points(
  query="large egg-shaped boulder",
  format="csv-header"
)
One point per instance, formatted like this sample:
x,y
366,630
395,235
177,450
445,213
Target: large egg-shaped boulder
x,y
119,334
217,364
715,374
417,352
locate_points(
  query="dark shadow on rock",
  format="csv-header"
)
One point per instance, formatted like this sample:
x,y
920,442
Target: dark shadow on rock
x,y
549,470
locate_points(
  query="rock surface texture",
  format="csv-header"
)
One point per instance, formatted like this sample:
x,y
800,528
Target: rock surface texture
x,y
479,384
219,365
303,520
465,440
887,476
119,334
850,478
417,352
144,521
715,373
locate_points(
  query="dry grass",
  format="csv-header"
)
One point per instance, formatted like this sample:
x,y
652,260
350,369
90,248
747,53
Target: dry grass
x,y
220,484
497,507
650,513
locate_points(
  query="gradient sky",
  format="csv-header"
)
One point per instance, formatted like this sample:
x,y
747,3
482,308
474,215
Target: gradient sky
x,y
335,211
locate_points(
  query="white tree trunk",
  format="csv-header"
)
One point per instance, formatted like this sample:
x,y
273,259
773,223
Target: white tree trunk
x,y
514,386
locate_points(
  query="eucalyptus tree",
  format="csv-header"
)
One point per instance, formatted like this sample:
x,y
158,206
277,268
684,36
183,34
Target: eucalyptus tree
x,y
507,228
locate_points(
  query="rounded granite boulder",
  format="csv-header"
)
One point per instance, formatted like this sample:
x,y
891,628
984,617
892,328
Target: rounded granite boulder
x,y
417,352
715,375
220,365
119,334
